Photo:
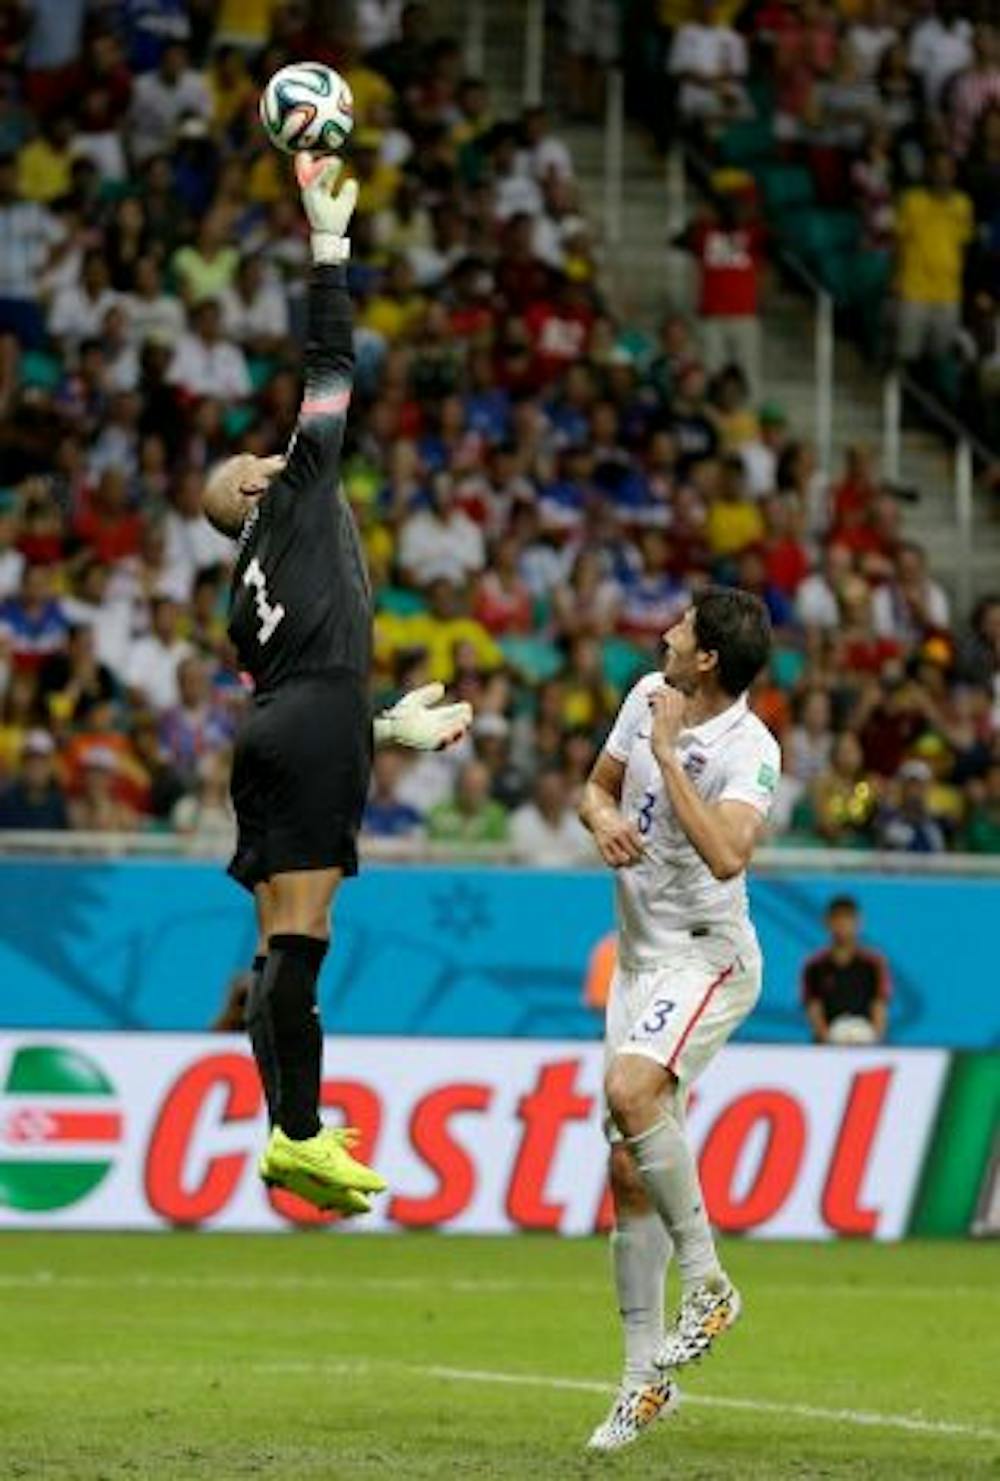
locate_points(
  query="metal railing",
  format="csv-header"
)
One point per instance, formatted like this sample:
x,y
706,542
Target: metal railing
x,y
899,387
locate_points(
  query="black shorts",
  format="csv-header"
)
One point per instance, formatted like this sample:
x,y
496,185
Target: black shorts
x,y
300,777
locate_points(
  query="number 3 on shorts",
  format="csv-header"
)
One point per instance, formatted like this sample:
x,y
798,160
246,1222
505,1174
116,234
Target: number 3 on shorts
x,y
644,820
657,1014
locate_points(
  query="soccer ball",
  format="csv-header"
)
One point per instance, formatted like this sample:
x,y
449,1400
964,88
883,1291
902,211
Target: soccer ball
x,y
851,1028
307,106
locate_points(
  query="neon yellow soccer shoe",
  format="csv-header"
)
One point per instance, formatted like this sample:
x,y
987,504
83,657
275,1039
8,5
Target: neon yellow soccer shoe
x,y
321,1169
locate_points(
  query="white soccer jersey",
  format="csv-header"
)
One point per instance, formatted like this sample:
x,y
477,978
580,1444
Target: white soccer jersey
x,y
733,757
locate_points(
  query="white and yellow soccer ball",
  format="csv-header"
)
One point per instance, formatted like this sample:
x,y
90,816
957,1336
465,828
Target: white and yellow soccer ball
x,y
307,106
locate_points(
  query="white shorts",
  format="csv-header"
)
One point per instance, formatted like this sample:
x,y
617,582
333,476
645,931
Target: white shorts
x,y
681,1012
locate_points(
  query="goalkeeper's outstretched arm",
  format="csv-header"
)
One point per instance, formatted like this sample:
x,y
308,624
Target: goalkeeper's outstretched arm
x,y
329,356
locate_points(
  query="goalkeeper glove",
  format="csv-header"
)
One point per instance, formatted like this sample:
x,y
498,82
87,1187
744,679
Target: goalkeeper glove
x,y
415,722
328,214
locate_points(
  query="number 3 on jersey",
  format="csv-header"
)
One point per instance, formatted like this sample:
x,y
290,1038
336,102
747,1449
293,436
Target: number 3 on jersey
x,y
268,615
644,818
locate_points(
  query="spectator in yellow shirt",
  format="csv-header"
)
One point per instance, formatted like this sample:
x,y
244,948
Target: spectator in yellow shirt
x,y
378,181
734,521
44,166
439,632
373,96
934,225
233,90
396,308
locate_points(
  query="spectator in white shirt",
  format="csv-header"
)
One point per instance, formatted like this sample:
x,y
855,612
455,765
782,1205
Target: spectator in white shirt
x,y
151,667
161,99
544,154
206,364
546,832
440,541
121,359
11,559
870,36
29,235
152,313
93,605
255,310
192,544
817,601
940,46
78,311
709,61
514,193
912,604
378,23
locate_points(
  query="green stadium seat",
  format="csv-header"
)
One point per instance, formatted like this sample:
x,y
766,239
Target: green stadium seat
x,y
396,602
747,143
39,370
784,186
260,368
535,659
814,233
236,420
624,662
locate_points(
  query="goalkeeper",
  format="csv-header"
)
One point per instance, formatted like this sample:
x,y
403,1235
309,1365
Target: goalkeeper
x,y
301,618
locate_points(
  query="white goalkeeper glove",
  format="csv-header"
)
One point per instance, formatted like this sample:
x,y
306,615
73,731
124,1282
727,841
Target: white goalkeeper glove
x,y
328,214
420,722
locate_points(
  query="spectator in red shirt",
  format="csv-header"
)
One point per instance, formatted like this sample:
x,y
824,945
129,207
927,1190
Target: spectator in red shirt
x,y
786,559
559,327
857,491
105,523
728,244
857,646
502,601
521,276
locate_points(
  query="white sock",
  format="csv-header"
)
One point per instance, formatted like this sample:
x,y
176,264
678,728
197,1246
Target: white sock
x,y
640,1253
667,1167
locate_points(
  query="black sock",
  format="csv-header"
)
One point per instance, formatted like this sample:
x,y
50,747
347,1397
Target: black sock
x,y
261,1037
288,990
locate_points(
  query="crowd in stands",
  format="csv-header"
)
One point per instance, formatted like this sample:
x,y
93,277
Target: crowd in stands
x,y
539,487
890,109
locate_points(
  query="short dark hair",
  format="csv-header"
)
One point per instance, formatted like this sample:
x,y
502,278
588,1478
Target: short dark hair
x,y
843,905
735,626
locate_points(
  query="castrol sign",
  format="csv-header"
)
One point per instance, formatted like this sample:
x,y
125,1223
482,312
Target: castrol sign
x,y
159,1131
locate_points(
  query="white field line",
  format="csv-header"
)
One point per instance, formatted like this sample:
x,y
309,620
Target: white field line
x,y
40,1280
333,1368
864,1418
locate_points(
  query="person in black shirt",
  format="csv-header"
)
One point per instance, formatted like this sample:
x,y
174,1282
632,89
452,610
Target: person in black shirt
x,y
300,619
846,987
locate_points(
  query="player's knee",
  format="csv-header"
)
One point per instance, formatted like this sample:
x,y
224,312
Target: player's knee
x,y
627,1187
628,1095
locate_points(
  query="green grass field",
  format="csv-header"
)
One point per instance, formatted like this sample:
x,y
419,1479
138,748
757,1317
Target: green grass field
x,y
185,1357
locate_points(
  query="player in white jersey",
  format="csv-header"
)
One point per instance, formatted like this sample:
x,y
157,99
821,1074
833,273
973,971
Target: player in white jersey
x,y
676,803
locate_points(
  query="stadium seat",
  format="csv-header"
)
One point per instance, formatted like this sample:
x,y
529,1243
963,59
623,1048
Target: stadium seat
x,y
623,662
535,659
784,186
42,371
397,602
747,143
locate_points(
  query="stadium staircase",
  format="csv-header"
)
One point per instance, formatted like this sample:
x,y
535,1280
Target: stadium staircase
x,y
646,278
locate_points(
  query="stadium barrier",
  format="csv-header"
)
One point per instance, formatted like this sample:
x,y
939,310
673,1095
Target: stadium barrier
x,y
127,1131
98,942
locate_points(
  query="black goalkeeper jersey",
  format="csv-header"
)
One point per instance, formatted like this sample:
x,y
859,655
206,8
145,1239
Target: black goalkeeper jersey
x,y
301,600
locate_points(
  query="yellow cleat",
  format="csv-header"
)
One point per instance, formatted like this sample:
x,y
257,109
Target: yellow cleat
x,y
321,1169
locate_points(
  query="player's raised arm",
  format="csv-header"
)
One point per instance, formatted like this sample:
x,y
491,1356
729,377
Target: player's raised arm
x,y
329,358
